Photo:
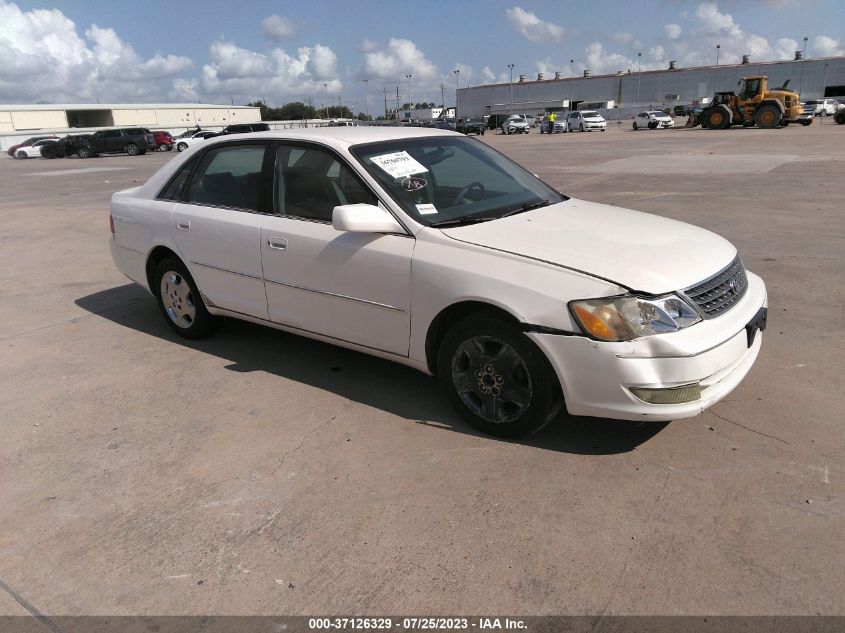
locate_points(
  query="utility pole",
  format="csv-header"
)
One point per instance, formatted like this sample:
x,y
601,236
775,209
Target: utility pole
x,y
639,75
367,98
457,72
385,102
442,96
510,104
410,105
803,62
716,70
571,80
326,86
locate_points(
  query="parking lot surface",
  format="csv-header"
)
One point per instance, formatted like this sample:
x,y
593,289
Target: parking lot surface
x,y
257,472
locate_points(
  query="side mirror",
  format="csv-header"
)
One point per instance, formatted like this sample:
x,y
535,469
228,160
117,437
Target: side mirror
x,y
364,218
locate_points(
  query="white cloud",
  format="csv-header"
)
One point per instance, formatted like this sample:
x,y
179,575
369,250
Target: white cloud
x,y
826,46
626,39
532,27
276,27
400,58
367,45
673,31
43,57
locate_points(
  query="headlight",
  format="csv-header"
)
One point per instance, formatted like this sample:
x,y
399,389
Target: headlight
x,y
628,317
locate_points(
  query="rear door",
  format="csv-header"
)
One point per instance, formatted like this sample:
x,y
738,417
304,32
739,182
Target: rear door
x,y
216,226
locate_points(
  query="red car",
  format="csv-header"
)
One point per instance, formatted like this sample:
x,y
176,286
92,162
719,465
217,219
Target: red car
x,y
163,141
29,141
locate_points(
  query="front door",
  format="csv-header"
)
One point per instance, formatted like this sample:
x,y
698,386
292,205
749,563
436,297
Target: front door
x,y
354,287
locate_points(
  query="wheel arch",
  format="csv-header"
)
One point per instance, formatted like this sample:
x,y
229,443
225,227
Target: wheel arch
x,y
450,315
156,255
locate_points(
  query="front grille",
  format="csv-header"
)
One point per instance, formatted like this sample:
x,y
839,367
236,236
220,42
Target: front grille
x,y
721,292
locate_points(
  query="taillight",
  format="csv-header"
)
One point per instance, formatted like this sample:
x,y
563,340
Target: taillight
x,y
111,224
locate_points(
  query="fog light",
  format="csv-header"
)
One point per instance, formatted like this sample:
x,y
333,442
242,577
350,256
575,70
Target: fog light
x,y
672,395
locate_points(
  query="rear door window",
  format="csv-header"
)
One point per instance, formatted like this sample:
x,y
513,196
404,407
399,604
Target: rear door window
x,y
230,176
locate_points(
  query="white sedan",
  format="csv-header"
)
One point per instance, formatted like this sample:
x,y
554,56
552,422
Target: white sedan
x,y
34,150
652,120
184,143
435,251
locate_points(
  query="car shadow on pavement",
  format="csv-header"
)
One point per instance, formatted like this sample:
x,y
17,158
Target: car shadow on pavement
x,y
372,381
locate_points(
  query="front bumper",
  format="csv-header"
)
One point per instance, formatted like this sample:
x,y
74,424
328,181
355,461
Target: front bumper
x,y
595,126
596,377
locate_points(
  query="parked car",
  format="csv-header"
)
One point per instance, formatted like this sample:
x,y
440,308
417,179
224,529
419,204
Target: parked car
x,y
821,107
515,124
244,128
494,121
538,119
184,143
436,251
652,120
189,133
585,121
31,151
560,124
470,125
32,139
130,140
163,140
681,110
77,145
445,124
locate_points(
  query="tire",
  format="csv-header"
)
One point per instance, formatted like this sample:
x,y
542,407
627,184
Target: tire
x,y
48,155
84,152
582,127
181,147
652,125
839,117
636,127
180,301
162,147
481,133
716,118
807,122
767,117
496,378
132,149
21,155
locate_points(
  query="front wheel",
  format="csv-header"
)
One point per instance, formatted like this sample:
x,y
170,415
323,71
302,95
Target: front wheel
x,y
83,152
768,117
496,378
182,147
180,301
132,149
21,156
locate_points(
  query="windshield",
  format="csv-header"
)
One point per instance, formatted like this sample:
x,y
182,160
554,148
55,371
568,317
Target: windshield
x,y
658,113
589,113
451,180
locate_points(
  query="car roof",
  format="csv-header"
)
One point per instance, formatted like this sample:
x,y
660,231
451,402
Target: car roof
x,y
343,136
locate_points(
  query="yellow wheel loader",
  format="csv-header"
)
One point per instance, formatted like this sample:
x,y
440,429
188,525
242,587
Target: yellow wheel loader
x,y
755,104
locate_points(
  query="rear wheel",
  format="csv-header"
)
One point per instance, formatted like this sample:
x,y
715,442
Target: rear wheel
x,y
636,127
496,378
21,156
767,116
132,149
839,117
180,301
162,147
83,152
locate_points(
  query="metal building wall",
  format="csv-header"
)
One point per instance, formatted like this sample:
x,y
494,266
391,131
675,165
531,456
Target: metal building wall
x,y
641,90
38,119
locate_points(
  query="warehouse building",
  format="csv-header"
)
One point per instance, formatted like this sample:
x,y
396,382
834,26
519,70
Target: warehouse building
x,y
20,121
622,94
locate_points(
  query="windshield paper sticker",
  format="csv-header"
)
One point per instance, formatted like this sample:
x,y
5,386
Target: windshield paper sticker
x,y
426,209
399,164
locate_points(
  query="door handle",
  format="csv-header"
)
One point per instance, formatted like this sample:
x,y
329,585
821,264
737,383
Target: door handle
x,y
279,243
183,224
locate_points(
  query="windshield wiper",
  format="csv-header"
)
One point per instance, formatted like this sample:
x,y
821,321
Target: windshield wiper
x,y
472,219
528,206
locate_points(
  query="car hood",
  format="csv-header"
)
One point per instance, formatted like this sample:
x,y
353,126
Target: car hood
x,y
636,250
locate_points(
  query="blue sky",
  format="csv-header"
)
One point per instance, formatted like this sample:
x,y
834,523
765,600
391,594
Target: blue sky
x,y
75,51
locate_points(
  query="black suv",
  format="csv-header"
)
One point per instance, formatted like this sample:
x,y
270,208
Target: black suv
x,y
132,140
243,128
68,146
471,125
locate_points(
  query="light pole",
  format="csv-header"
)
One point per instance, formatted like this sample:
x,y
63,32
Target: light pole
x,y
410,106
803,61
572,80
326,86
639,75
716,70
457,73
366,97
510,105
